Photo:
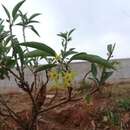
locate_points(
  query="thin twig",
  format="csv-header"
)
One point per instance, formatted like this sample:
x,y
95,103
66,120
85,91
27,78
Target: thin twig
x,y
86,75
59,104
54,97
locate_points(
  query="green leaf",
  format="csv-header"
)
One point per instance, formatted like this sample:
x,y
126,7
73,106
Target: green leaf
x,y
36,53
33,16
7,49
71,31
68,53
45,67
16,16
6,11
125,104
10,63
3,36
20,24
40,46
20,52
106,75
88,98
94,70
23,18
92,58
3,74
16,8
33,21
1,27
71,49
109,48
34,30
8,39
63,35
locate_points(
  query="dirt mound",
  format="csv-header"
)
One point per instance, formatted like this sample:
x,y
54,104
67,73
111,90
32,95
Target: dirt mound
x,y
72,116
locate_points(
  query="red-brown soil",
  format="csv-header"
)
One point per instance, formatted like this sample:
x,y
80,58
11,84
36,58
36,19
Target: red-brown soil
x,y
78,115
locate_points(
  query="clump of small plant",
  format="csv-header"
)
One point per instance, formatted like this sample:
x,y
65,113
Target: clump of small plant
x,y
111,117
99,74
124,104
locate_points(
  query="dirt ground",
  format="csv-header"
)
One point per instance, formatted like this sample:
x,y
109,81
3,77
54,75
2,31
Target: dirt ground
x,y
102,112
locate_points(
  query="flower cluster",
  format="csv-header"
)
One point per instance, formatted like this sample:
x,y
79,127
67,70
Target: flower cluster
x,y
54,76
57,58
68,77
63,78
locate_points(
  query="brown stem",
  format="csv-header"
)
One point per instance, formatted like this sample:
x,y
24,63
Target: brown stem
x,y
69,92
59,104
52,100
15,75
41,95
86,75
66,101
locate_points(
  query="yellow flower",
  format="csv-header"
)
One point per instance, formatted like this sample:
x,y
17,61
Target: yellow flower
x,y
68,78
67,83
53,75
58,57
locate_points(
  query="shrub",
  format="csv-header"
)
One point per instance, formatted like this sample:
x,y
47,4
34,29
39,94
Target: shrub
x,y
17,55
